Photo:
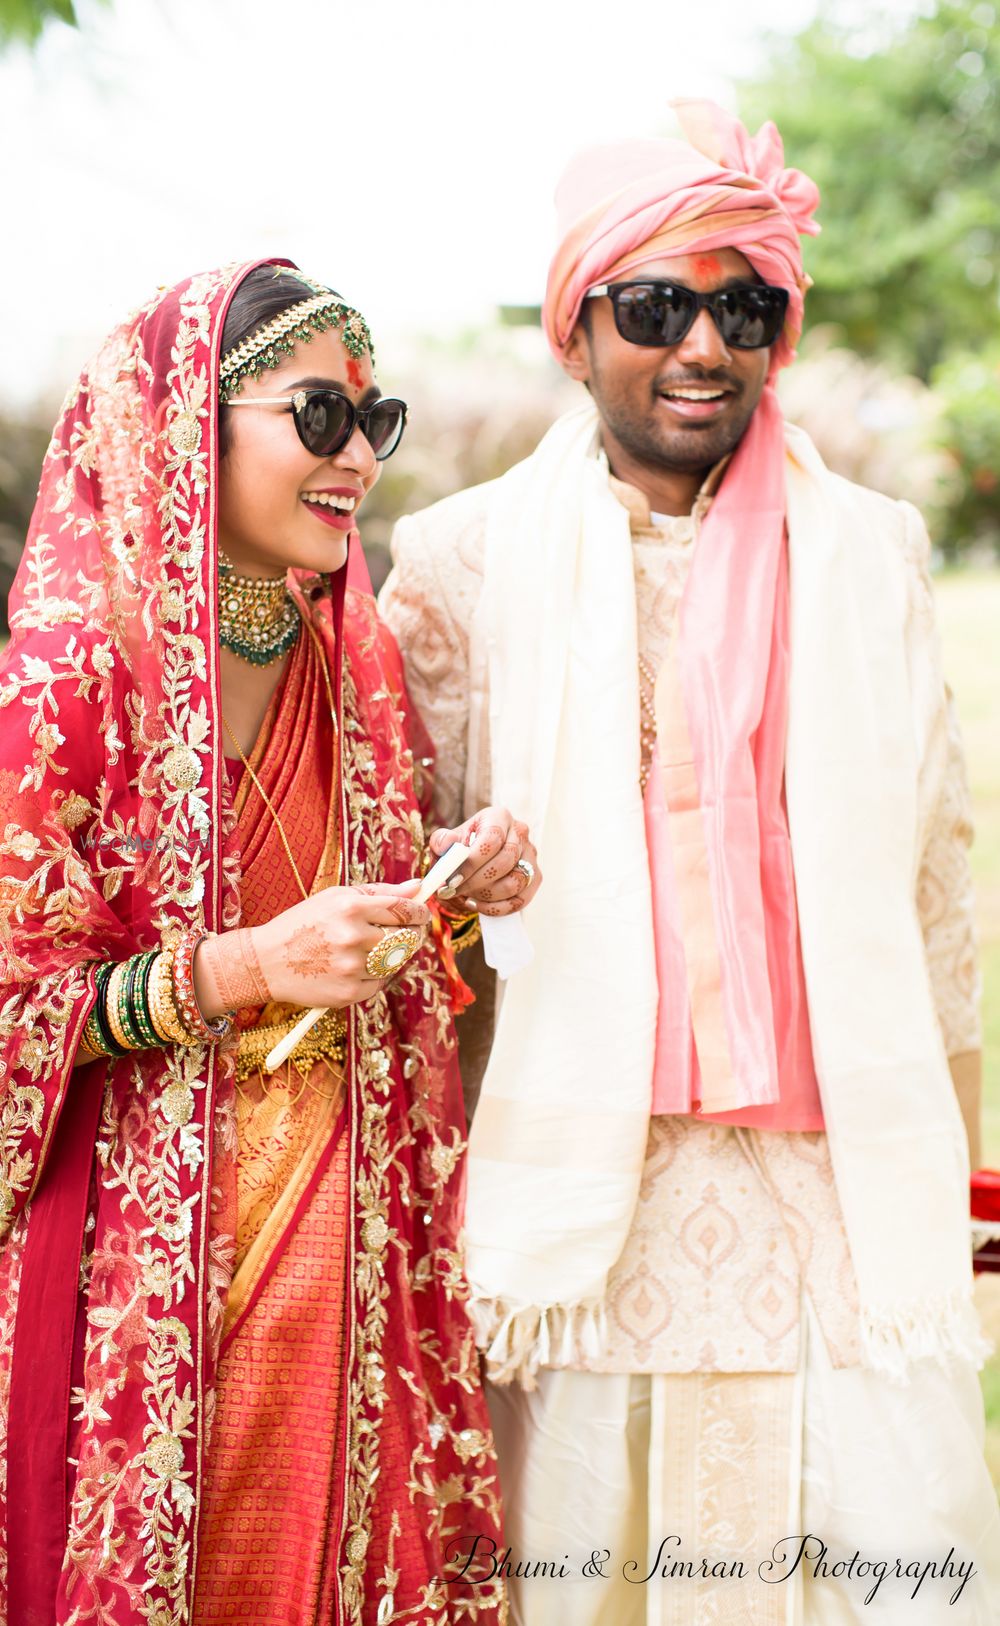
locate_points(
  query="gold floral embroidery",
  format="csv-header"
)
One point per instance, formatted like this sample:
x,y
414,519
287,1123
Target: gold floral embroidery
x,y
36,1022
372,822
73,811
155,1171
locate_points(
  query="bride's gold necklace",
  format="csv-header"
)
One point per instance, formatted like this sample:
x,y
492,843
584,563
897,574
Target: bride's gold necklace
x,y
270,808
326,1039
255,781
258,617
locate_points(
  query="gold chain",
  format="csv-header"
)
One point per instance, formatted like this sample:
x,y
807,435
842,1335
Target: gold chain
x,y
327,1041
269,805
256,781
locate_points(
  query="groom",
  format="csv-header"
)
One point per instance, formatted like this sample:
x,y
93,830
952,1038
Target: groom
x,y
717,1226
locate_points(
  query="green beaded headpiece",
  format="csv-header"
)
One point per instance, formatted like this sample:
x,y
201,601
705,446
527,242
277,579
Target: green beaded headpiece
x,y
267,346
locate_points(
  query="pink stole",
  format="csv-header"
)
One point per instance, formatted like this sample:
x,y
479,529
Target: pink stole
x,y
733,1042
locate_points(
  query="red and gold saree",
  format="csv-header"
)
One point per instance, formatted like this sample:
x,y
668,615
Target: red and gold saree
x,y
235,1361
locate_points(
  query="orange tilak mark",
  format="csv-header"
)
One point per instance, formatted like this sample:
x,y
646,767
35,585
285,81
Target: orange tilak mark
x,y
354,375
707,265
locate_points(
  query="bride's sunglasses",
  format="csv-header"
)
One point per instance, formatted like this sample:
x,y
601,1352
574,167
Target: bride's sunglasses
x,y
748,317
325,420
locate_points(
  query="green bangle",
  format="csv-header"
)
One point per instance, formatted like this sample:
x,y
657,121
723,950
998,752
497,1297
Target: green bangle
x,y
102,976
129,1012
126,1019
139,1000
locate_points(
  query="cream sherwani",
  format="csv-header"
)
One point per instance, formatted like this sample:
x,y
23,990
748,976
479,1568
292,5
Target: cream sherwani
x,y
728,1409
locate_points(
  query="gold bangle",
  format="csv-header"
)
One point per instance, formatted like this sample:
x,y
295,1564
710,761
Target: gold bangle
x,y
118,1033
91,1043
157,1013
163,1009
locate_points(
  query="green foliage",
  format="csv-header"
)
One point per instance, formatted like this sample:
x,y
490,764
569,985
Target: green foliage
x,y
968,388
23,439
902,136
24,20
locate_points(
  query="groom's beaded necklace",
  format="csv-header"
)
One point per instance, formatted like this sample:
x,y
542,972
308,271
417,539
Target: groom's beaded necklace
x,y
647,718
258,618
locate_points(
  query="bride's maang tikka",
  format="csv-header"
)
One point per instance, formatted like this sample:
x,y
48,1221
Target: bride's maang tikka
x,y
268,345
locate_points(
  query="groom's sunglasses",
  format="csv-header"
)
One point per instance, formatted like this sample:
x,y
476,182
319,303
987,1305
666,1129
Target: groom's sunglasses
x,y
749,316
325,420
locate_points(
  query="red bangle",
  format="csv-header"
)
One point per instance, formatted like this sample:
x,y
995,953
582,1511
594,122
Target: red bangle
x,y
182,972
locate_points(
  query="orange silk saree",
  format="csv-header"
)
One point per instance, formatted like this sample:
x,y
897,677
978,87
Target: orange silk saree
x,y
270,1490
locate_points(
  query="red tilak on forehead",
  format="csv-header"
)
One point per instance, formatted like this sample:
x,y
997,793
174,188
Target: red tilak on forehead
x,y
354,374
706,265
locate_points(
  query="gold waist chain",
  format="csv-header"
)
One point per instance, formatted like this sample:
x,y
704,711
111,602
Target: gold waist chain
x,y
327,1041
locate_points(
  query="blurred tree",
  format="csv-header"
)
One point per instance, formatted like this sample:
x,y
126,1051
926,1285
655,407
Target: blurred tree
x,y
968,389
24,20
23,439
902,135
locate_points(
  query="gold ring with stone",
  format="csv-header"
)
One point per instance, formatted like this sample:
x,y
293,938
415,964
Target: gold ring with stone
x,y
392,951
527,869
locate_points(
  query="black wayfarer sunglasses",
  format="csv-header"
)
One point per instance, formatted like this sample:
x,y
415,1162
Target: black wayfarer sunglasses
x,y
749,316
325,420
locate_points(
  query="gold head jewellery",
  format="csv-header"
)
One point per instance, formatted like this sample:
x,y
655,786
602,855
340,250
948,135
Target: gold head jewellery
x,y
258,617
269,345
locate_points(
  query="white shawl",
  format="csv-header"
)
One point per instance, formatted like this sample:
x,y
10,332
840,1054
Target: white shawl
x,y
558,1142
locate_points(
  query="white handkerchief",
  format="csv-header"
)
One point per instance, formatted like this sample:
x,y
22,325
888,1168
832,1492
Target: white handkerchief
x,y
506,944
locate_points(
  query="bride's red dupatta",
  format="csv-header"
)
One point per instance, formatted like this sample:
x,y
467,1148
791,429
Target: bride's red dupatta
x,y
117,1180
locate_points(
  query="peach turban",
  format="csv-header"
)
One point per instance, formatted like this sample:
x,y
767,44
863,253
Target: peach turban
x,y
620,207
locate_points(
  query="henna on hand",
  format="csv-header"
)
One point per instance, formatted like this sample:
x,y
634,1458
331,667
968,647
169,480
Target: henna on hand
x,y
309,953
495,832
237,970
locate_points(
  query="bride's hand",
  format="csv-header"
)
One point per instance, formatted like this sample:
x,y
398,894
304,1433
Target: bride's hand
x,y
311,954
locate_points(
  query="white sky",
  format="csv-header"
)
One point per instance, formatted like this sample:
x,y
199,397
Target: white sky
x,y
404,150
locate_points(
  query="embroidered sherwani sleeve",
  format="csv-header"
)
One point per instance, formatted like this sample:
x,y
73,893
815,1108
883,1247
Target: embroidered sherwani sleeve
x,y
946,904
945,901
429,601
435,651
944,891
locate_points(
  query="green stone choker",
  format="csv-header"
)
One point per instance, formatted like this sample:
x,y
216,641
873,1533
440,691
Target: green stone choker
x,y
258,617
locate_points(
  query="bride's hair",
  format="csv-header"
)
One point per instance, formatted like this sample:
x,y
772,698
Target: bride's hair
x,y
260,297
